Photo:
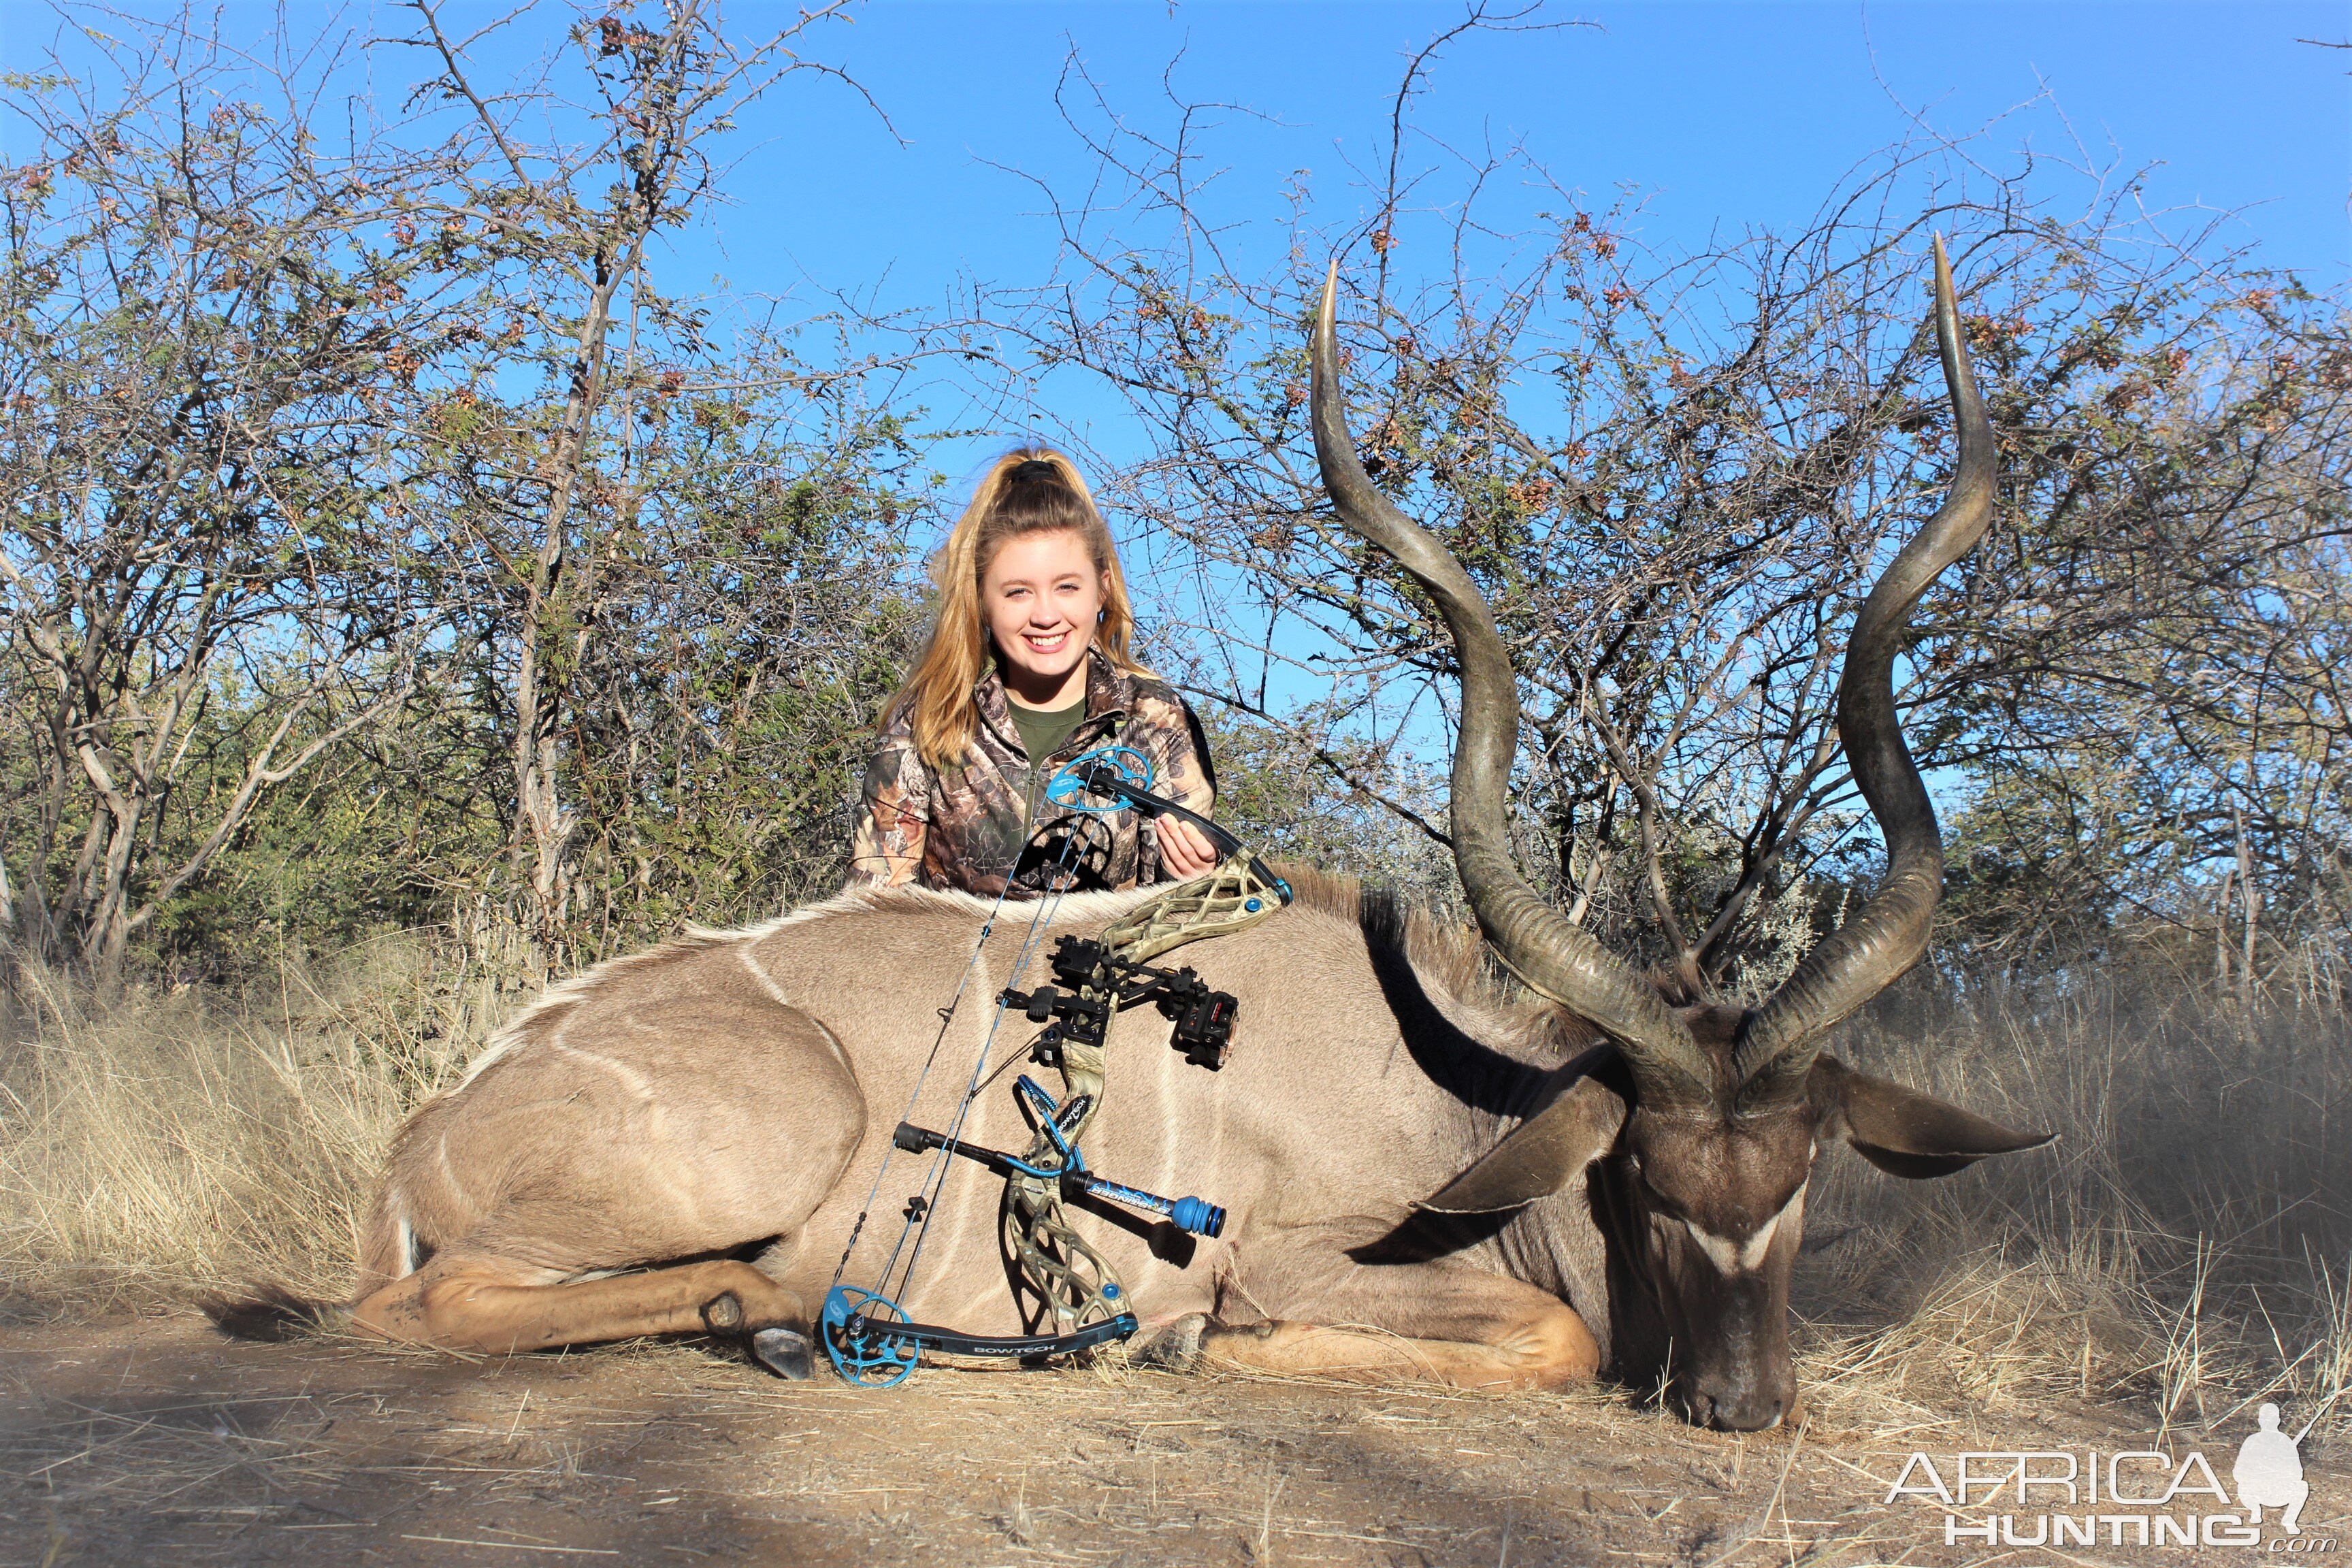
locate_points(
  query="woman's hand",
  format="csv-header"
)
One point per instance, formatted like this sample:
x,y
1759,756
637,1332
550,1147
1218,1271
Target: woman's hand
x,y
1184,850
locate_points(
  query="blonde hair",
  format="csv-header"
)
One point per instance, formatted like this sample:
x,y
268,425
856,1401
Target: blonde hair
x,y
1028,492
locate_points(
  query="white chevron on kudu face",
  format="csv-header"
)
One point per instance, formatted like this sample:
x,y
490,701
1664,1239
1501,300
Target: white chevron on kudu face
x,y
1730,1256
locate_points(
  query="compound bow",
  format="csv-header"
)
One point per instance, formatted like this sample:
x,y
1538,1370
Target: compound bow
x,y
869,1340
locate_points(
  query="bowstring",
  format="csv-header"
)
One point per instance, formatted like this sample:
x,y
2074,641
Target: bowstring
x,y
947,1020
935,1178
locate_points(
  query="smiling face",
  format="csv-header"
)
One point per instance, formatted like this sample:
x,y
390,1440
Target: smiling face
x,y
1042,595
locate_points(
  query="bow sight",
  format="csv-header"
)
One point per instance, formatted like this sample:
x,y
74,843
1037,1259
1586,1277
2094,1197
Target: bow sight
x,y
868,1339
1099,982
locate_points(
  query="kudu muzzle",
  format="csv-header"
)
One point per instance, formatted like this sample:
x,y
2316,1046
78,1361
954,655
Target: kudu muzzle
x,y
1740,1378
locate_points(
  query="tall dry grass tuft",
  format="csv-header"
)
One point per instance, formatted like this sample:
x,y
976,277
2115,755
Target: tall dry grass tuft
x,y
170,1143
2186,1245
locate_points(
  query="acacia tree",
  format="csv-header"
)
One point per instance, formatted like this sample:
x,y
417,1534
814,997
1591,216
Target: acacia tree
x,y
756,615
552,211
299,441
201,310
1672,475
2163,692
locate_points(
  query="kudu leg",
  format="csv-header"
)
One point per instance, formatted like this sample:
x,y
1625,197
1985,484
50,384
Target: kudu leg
x,y
481,1305
1419,1323
540,1204
1547,1348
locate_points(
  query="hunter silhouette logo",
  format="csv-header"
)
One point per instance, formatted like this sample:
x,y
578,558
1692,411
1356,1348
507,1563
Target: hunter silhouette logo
x,y
2142,1497
2268,1471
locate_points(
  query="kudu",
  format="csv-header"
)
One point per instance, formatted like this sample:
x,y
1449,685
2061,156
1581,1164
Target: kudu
x,y
1428,1173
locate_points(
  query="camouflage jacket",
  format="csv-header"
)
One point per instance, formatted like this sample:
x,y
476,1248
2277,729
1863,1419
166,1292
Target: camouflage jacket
x,y
962,827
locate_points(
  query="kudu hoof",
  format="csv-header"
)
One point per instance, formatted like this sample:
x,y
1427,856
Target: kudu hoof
x,y
787,1352
1177,1347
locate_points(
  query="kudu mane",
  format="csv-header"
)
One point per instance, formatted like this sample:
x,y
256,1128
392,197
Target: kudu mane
x,y
1446,955
1451,956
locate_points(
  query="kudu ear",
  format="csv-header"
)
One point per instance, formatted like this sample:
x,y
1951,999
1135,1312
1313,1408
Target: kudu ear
x,y
1543,1154
1901,1130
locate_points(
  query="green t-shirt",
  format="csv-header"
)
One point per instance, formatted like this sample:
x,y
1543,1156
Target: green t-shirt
x,y
1043,731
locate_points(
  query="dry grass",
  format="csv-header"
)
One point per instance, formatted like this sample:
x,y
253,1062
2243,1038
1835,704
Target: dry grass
x,y
2185,1247
175,1142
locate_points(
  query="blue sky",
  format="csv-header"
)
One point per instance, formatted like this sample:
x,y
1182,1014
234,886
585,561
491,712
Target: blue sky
x,y
1716,118
1729,114
1721,117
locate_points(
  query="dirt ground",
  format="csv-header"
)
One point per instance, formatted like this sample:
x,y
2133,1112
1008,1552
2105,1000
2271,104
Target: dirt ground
x,y
151,1440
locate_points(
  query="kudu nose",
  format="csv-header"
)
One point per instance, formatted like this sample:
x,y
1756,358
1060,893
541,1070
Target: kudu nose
x,y
1728,1412
1748,1414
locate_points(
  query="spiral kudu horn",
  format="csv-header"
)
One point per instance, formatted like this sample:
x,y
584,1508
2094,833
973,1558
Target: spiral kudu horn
x,y
1555,958
1889,934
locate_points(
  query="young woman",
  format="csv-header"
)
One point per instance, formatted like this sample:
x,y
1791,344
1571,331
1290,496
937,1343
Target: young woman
x,y
1026,668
